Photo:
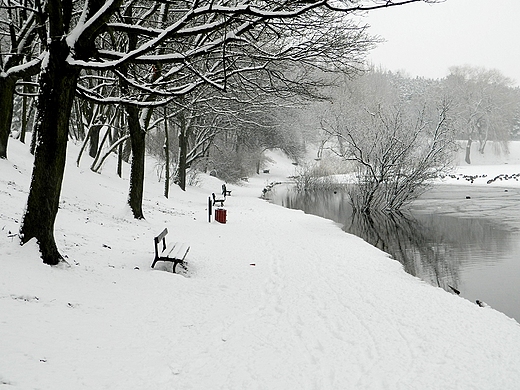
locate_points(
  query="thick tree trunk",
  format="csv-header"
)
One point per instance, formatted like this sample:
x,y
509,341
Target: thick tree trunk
x,y
137,138
57,86
6,112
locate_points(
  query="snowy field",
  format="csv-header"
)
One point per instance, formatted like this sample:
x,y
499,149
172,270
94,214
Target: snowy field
x,y
273,299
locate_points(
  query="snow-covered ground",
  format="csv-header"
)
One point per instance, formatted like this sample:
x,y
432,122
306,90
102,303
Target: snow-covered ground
x,y
273,299
494,166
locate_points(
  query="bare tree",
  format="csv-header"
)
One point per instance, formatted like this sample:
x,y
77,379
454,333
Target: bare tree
x,y
485,103
404,157
397,147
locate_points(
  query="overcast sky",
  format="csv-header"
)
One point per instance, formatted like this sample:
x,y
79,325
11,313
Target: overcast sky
x,y
425,40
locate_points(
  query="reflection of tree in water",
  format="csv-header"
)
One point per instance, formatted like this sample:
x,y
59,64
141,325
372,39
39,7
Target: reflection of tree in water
x,y
431,247
333,205
410,243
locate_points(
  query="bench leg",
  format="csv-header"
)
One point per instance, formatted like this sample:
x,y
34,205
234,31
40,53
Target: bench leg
x,y
175,265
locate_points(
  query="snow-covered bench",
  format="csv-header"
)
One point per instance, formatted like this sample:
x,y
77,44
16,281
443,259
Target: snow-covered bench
x,y
174,252
215,201
225,191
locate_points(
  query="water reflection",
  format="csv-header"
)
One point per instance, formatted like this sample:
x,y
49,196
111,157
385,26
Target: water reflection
x,y
435,247
422,251
333,205
432,247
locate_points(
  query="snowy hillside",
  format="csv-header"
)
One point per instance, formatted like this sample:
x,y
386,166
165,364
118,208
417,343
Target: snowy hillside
x,y
273,299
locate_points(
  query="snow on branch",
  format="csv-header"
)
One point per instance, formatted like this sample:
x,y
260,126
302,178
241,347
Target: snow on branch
x,y
100,99
375,5
28,68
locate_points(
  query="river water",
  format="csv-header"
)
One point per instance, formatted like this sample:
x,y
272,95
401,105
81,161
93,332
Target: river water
x,y
461,237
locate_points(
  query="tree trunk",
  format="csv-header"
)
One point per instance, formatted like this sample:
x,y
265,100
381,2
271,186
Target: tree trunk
x,y
120,160
468,151
57,87
120,147
482,145
94,140
166,156
183,151
23,130
137,138
6,112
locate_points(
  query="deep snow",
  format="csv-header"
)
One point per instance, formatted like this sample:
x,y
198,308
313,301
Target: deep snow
x,y
273,299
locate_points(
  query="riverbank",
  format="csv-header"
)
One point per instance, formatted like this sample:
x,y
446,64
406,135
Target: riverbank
x,y
273,299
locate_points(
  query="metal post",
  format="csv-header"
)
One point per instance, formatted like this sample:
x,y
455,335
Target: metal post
x,y
210,211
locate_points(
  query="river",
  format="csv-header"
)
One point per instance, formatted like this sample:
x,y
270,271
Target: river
x,y
455,237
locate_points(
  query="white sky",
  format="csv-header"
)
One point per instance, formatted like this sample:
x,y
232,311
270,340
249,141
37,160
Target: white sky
x,y
425,39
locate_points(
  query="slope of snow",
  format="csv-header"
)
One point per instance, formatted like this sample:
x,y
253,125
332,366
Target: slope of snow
x,y
273,299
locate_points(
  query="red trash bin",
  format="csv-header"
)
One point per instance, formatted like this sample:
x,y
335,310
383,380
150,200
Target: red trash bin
x,y
220,215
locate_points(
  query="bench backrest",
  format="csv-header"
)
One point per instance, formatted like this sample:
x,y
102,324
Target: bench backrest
x,y
158,239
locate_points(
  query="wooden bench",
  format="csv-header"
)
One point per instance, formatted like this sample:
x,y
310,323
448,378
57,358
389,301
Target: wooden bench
x,y
174,252
215,201
225,191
